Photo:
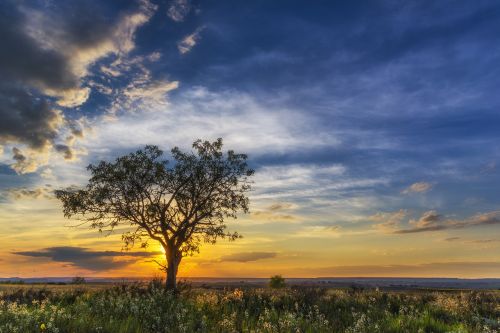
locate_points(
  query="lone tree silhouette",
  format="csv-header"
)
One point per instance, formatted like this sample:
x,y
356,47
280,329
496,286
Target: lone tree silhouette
x,y
178,205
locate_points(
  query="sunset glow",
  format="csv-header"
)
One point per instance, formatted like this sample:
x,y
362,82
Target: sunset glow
x,y
374,131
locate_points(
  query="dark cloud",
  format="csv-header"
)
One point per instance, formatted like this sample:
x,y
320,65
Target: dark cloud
x,y
65,150
248,256
45,54
17,155
23,59
91,260
26,119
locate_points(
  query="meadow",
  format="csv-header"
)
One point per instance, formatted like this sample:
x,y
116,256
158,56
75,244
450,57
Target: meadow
x,y
149,308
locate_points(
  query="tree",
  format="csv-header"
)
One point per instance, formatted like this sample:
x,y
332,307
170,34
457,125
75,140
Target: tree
x,y
180,205
277,282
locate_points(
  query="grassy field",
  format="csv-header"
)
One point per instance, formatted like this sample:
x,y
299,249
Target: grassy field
x,y
148,308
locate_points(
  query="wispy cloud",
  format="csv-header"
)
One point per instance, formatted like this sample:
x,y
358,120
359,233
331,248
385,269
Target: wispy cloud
x,y
388,221
44,192
248,256
432,221
179,9
420,187
188,42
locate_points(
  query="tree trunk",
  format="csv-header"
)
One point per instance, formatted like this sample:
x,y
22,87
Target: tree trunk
x,y
173,260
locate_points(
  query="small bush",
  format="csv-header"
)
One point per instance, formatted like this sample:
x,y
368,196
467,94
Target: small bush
x,y
277,282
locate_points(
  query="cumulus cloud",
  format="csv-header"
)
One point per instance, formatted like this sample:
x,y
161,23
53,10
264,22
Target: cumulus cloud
x,y
419,187
22,163
85,38
188,42
26,119
178,10
46,55
90,260
248,256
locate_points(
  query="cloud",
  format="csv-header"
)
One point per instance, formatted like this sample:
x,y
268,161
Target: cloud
x,y
428,220
472,241
279,211
420,187
248,256
282,206
150,92
65,150
188,42
270,216
319,231
23,163
30,193
243,122
46,56
179,9
91,260
144,92
432,221
86,37
25,119
388,221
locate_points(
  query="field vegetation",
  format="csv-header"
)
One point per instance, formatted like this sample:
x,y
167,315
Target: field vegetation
x,y
150,308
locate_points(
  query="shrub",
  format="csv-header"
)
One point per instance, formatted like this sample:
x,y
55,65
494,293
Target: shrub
x,y
277,282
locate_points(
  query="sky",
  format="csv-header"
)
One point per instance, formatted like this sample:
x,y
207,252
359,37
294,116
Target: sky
x,y
373,128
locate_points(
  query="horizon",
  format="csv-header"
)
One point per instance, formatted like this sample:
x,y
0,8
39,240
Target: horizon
x,y
373,131
241,278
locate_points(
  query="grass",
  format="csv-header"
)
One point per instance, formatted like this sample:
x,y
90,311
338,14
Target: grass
x,y
148,308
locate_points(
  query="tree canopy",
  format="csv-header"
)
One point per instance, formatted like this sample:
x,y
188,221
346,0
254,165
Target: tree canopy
x,y
179,204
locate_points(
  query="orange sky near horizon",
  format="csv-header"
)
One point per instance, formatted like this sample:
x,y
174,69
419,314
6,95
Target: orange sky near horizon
x,y
268,247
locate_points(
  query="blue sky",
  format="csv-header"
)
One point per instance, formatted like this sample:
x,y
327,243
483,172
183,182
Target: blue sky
x,y
372,125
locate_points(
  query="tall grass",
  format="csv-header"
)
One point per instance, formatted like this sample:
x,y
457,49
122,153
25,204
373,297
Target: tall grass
x,y
135,308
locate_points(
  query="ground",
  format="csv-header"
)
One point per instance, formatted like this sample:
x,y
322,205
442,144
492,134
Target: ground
x,y
147,307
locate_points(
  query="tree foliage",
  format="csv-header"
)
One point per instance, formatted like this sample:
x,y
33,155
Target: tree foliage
x,y
179,204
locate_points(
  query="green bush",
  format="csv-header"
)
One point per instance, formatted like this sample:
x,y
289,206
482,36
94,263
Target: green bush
x,y
277,282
